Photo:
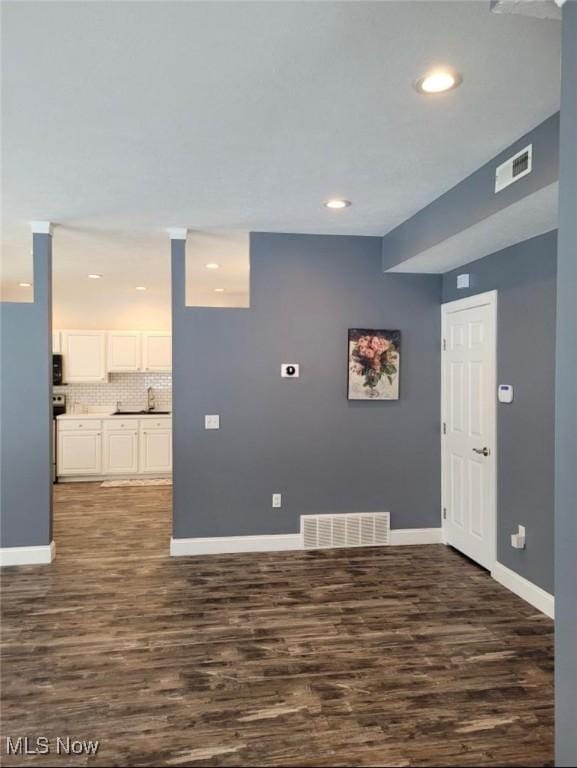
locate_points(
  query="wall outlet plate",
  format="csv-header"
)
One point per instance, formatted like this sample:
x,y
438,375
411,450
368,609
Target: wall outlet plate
x,y
212,421
290,370
277,500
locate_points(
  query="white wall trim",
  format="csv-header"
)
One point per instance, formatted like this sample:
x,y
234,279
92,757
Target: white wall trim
x,y
223,544
177,233
531,593
28,555
283,542
41,227
403,536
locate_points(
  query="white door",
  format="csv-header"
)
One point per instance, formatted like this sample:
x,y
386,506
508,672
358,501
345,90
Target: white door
x,y
124,351
156,351
469,429
84,356
120,452
79,453
156,451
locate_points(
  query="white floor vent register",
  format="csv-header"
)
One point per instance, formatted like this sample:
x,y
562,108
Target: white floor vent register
x,y
362,529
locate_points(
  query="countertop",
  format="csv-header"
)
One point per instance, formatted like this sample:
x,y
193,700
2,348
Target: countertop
x,y
111,414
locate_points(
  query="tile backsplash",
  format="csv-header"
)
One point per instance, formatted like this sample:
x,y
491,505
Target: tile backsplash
x,y
127,388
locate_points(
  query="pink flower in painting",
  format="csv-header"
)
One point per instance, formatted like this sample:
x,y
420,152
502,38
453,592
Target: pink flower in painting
x,y
374,356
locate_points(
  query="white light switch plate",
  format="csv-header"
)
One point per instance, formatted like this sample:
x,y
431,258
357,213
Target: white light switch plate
x,y
277,500
212,421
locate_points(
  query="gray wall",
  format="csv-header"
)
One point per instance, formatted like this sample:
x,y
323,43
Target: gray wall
x,y
566,410
524,275
303,438
474,199
26,411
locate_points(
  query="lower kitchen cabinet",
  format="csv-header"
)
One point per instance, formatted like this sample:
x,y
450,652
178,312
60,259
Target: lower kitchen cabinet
x,y
79,452
120,451
126,447
155,450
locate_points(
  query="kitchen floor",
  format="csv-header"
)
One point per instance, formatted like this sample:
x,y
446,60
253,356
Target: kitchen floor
x,y
395,656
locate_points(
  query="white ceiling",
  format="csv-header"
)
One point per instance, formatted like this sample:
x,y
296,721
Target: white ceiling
x,y
123,118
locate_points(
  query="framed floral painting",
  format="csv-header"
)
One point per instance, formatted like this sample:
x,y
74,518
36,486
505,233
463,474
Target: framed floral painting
x,y
374,361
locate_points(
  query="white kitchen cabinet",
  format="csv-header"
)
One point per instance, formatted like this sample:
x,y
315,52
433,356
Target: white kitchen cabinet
x,y
155,450
120,448
124,351
84,356
79,451
56,348
156,351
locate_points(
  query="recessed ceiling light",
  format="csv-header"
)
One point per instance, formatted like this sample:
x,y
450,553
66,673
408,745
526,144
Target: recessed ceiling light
x,y
25,285
212,265
337,204
140,288
95,277
219,290
438,81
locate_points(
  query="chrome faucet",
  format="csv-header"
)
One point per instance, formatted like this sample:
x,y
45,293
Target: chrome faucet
x,y
150,399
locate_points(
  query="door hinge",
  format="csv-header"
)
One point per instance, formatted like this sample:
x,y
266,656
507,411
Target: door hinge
x,y
444,428
444,513
444,345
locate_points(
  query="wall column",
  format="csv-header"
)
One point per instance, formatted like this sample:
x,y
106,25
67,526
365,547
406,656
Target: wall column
x,y
566,409
26,416
179,453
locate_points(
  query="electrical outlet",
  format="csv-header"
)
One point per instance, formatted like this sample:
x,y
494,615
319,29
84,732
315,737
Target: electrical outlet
x,y
277,500
212,421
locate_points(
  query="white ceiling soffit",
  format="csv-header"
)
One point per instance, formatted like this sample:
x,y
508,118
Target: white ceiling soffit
x,y
539,9
533,215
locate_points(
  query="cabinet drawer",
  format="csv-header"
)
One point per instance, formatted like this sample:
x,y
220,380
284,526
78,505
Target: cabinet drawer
x,y
84,424
155,423
128,425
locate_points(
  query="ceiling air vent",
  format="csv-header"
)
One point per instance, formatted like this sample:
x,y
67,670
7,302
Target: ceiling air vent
x,y
514,168
360,529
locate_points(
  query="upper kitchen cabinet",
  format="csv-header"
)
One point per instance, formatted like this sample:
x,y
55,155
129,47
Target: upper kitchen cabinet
x,y
84,356
56,349
124,351
156,351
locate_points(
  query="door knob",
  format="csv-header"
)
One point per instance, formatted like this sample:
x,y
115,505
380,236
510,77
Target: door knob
x,y
482,451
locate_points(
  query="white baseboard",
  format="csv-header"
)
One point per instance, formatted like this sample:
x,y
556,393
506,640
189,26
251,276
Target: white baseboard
x,y
537,597
282,542
228,544
402,536
27,555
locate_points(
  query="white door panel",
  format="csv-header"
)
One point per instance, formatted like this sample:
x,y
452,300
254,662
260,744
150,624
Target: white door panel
x,y
468,454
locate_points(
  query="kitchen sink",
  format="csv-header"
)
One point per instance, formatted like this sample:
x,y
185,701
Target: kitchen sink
x,y
141,413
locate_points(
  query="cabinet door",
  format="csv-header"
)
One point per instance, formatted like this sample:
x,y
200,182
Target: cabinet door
x,y
157,351
156,450
79,453
124,351
84,356
56,348
120,452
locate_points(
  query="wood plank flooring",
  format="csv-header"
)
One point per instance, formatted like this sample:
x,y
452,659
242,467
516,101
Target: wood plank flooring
x,y
400,656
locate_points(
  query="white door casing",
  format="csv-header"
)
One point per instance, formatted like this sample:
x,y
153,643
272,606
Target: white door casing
x,y
468,440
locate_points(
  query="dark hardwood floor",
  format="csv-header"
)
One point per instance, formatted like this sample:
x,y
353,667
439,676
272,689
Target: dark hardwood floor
x,y
395,656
